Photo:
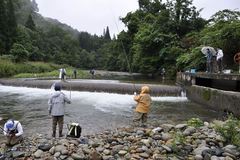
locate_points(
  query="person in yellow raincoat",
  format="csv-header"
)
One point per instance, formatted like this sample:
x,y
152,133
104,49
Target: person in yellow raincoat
x,y
143,106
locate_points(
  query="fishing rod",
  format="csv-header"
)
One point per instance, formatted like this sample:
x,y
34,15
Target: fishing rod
x,y
70,88
128,63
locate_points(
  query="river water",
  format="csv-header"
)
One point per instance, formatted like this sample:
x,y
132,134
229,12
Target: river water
x,y
94,111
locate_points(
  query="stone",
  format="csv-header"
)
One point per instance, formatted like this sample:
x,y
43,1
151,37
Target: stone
x,y
232,150
64,151
52,150
78,156
166,136
167,148
63,156
167,127
181,126
75,142
18,154
200,149
116,149
99,149
215,158
157,137
198,157
38,153
106,151
45,147
189,131
108,158
144,155
122,152
59,148
57,154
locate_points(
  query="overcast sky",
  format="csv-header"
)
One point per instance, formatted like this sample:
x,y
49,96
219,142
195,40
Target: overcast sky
x,y
94,15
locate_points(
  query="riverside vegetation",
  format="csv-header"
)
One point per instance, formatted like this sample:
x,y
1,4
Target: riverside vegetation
x,y
35,70
194,140
160,34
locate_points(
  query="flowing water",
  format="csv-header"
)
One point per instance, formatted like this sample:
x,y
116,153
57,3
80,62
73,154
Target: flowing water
x,y
94,111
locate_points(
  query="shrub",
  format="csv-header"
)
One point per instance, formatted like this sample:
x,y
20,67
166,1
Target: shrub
x,y
195,122
7,68
230,131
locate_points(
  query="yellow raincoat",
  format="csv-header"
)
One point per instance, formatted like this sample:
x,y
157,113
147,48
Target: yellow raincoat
x,y
144,100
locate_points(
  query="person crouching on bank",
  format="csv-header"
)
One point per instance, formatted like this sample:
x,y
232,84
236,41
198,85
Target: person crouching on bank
x,y
13,131
143,106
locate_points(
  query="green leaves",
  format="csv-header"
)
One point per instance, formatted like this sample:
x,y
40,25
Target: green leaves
x,y
19,52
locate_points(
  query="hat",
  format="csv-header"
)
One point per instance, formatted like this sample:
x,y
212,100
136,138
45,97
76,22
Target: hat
x,y
57,87
10,124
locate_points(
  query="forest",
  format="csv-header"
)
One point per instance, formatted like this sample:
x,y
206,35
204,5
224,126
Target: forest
x,y
159,35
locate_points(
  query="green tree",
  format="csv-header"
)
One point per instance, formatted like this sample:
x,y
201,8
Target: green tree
x,y
107,34
30,23
11,25
19,52
3,26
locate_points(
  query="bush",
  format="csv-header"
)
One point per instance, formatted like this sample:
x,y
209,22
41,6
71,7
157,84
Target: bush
x,y
195,122
230,131
7,68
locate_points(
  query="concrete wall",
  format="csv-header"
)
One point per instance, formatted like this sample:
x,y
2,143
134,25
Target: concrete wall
x,y
218,100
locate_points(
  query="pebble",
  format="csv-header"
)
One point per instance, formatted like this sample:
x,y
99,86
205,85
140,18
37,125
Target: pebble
x,y
156,143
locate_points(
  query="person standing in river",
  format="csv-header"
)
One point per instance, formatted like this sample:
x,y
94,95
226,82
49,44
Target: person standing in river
x,y
56,109
143,106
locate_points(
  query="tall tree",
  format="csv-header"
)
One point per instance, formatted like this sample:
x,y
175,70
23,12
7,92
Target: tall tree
x,y
11,31
107,34
35,6
30,23
3,26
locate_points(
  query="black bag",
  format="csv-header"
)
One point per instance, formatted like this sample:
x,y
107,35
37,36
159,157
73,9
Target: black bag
x,y
74,130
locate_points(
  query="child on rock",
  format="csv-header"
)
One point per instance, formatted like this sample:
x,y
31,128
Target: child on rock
x,y
143,105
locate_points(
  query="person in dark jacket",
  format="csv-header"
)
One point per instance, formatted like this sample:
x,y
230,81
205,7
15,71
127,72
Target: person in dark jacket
x,y
56,109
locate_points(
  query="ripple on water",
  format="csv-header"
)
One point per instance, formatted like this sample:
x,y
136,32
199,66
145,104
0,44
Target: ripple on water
x,y
94,111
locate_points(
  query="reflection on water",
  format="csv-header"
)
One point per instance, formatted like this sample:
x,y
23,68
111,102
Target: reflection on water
x,y
94,111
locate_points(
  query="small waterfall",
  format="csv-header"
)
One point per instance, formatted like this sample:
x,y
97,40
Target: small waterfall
x,y
183,93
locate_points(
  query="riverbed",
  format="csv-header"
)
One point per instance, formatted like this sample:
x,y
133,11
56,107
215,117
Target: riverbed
x,y
94,111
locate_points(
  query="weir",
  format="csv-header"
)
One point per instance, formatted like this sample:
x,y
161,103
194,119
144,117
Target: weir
x,y
110,86
217,91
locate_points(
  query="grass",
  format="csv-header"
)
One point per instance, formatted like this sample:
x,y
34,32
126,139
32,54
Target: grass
x,y
53,74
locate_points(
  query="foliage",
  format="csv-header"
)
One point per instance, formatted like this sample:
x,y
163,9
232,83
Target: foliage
x,y
7,68
160,34
53,73
195,122
19,52
178,139
230,131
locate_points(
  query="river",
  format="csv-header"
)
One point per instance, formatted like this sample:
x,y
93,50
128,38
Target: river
x,y
94,111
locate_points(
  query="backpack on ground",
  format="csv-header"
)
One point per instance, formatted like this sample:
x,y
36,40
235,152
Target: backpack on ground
x,y
74,130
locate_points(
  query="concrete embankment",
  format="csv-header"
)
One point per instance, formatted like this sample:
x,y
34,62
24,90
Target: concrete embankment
x,y
95,86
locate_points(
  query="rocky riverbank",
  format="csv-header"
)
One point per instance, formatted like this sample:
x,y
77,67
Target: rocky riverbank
x,y
166,142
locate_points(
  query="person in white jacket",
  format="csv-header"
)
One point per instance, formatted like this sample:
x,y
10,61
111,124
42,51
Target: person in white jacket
x,y
220,59
13,131
56,109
